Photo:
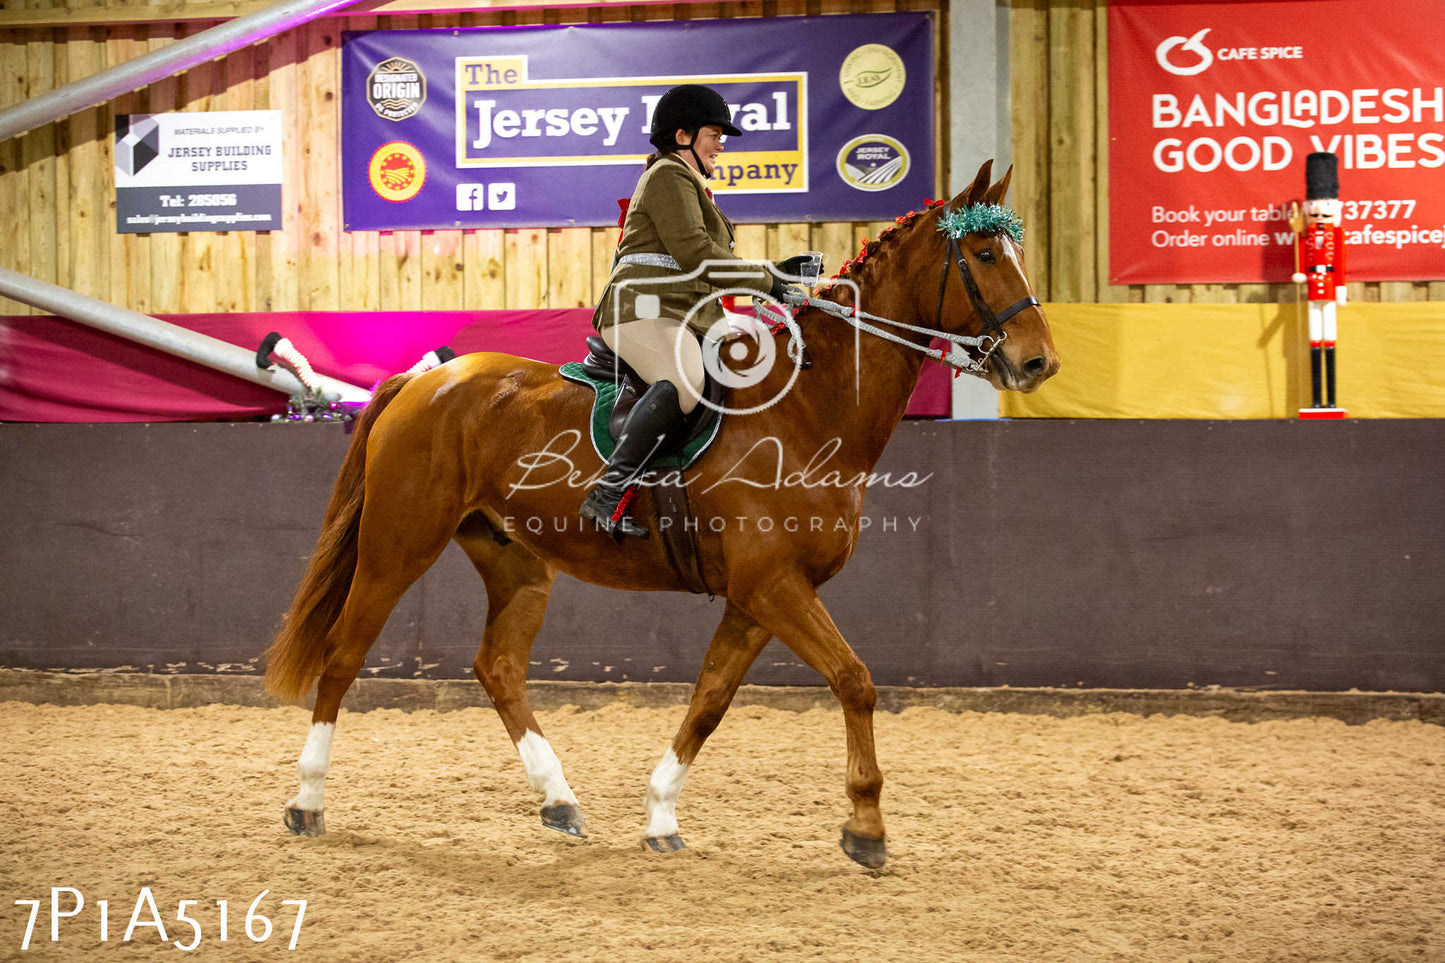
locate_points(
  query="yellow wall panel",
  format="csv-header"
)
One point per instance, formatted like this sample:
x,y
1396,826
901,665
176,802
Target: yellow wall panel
x,y
1234,361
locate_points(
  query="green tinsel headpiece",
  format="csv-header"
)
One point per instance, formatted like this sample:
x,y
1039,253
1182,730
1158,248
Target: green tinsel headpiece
x,y
982,219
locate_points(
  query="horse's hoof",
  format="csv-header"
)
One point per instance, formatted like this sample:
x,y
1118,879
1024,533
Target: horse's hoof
x,y
665,844
565,818
864,850
305,822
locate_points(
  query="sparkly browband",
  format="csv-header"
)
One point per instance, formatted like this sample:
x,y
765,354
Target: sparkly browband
x,y
982,219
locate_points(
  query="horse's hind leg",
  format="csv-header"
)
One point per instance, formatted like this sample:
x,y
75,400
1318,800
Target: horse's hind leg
x,y
390,557
734,647
518,584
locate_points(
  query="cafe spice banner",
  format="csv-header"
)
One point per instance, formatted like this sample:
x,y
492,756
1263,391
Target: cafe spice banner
x,y
548,126
1213,107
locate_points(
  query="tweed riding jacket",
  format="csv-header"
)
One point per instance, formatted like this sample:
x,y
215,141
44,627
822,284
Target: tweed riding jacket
x,y
672,213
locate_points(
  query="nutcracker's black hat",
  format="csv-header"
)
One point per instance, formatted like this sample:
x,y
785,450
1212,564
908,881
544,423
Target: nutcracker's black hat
x,y
1322,180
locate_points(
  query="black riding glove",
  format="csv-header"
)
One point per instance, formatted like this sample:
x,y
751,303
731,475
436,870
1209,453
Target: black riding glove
x,y
800,265
786,293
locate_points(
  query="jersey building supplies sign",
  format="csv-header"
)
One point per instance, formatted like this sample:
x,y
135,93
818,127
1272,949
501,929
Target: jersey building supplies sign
x,y
1213,107
214,171
548,126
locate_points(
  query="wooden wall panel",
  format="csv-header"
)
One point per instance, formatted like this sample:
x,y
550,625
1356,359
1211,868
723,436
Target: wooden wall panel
x,y
320,211
442,270
167,271
200,250
38,152
56,186
13,177
277,69
485,281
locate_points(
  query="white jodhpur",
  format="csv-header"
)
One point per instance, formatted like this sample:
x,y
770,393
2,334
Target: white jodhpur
x,y
544,772
662,791
313,765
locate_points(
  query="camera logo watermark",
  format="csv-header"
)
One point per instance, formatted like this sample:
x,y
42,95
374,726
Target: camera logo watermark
x,y
739,351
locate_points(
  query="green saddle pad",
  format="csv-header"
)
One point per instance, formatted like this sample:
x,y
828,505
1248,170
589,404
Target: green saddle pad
x,y
604,443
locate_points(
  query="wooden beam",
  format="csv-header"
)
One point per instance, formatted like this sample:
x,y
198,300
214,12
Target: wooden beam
x,y
138,11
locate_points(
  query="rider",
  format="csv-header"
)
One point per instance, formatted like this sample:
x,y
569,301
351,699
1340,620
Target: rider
x,y
671,226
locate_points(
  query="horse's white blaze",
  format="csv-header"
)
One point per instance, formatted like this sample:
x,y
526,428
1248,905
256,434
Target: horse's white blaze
x,y
544,772
313,765
662,791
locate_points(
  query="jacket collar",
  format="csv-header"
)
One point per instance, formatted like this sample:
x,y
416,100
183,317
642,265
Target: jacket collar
x,y
676,158
673,158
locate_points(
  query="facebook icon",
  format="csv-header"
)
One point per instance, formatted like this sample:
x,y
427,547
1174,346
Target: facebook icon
x,y
471,197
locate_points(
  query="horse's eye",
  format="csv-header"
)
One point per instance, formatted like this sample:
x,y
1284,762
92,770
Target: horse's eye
x,y
985,256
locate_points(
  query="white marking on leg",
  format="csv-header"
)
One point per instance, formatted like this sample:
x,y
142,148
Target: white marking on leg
x,y
313,765
544,772
662,792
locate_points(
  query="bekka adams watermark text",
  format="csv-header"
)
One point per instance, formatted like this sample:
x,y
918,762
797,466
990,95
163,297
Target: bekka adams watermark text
x,y
761,466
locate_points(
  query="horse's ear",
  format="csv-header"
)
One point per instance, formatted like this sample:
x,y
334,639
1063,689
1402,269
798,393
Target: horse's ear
x,y
997,192
974,191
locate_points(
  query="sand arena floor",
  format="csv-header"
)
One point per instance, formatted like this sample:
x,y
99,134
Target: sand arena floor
x,y
1013,837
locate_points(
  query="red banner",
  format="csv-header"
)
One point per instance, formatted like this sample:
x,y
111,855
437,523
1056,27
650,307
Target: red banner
x,y
1213,107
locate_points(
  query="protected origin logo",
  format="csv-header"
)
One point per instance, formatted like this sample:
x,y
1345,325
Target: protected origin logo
x,y
397,171
872,76
1192,56
396,89
873,162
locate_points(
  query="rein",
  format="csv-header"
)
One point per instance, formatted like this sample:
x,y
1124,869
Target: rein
x,y
956,357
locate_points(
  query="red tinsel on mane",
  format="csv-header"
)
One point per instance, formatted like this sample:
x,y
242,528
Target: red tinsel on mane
x,y
870,247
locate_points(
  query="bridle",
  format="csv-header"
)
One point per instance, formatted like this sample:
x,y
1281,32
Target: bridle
x,y
956,357
992,323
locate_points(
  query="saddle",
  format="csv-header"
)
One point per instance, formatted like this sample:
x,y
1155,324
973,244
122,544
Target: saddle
x,y
602,364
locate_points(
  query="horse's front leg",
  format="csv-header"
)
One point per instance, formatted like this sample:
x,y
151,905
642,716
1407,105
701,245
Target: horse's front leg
x,y
734,647
791,610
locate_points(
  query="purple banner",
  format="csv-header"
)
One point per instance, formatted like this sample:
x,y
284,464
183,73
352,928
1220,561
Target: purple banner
x,y
547,126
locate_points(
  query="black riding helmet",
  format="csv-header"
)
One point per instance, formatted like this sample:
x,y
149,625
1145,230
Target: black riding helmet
x,y
689,107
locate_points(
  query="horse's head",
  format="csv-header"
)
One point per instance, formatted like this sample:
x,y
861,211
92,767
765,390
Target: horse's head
x,y
984,289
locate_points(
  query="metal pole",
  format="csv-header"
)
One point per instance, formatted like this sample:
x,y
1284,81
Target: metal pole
x,y
167,337
181,55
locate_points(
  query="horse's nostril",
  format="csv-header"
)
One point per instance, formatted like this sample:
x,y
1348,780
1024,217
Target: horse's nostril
x,y
1035,366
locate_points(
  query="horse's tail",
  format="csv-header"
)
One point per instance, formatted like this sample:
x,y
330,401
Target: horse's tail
x,y
298,654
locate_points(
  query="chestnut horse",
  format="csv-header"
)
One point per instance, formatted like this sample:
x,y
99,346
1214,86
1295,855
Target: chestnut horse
x,y
452,455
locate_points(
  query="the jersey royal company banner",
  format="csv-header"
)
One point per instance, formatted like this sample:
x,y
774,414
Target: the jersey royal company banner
x,y
547,126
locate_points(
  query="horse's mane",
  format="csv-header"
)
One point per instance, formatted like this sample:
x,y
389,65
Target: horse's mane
x,y
876,250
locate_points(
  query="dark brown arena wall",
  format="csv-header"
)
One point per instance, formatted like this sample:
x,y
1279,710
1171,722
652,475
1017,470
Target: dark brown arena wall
x,y
1111,554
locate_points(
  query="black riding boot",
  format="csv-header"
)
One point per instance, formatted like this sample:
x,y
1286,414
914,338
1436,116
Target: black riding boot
x,y
648,424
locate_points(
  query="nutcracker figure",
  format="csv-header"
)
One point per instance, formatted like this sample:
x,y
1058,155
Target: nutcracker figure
x,y
1319,258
